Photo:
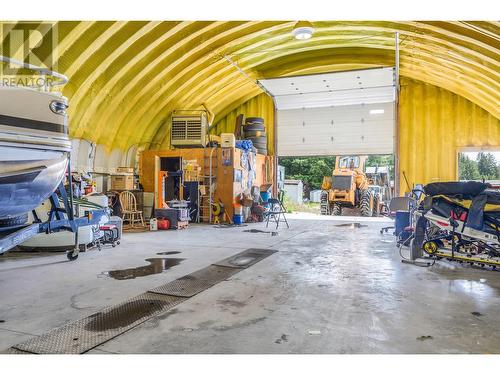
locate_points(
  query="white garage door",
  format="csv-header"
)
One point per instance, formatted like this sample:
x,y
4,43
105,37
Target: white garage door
x,y
335,113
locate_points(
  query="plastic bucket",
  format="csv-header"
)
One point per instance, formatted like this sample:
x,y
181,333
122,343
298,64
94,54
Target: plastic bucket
x,y
238,219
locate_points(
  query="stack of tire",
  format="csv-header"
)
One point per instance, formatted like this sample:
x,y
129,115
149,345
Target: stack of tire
x,y
255,131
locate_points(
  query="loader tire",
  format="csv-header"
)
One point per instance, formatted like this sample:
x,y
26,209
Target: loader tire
x,y
336,209
376,205
324,206
366,203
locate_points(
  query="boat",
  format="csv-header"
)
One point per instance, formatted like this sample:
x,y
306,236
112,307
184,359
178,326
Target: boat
x,y
34,149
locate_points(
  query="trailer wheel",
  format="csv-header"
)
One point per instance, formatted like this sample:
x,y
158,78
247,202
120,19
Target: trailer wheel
x,y
70,255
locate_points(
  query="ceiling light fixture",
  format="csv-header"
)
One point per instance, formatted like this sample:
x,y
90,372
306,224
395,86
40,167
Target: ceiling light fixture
x,y
376,111
303,30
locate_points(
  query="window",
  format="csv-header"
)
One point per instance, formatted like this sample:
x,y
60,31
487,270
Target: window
x,y
350,162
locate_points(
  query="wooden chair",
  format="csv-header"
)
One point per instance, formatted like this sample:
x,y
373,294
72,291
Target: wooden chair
x,y
129,209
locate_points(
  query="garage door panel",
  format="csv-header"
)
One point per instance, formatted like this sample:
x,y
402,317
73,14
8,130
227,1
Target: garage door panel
x,y
335,113
328,131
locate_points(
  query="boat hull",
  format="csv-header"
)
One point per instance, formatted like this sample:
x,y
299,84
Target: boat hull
x,y
34,149
25,184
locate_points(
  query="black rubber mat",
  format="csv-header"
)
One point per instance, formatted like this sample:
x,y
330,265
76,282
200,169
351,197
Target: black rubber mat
x,y
196,282
246,258
87,333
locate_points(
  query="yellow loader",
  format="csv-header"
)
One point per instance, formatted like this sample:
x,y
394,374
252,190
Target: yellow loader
x,y
349,186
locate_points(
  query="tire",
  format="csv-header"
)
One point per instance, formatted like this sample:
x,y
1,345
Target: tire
x,y
258,142
376,205
70,255
336,209
262,151
254,127
13,221
254,120
255,133
323,205
366,203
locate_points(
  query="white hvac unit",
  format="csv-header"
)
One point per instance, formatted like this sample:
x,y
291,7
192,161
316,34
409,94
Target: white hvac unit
x,y
189,130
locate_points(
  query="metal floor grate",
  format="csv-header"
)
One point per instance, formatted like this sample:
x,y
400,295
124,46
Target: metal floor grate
x,y
196,282
87,333
246,258
94,330
14,351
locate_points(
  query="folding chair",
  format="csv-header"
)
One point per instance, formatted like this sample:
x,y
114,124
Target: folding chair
x,y
276,210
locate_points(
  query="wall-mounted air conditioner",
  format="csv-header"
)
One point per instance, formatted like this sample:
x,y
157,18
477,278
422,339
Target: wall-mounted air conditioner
x,y
189,130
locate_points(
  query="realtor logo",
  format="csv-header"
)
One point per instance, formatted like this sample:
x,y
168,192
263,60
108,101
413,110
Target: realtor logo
x,y
31,43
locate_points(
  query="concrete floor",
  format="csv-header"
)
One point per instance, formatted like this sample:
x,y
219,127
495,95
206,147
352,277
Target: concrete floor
x,y
329,289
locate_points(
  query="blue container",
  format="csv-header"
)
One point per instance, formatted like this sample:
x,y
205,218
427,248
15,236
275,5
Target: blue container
x,y
238,219
402,221
265,195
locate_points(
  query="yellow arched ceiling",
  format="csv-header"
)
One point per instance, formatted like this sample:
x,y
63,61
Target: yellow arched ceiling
x,y
127,77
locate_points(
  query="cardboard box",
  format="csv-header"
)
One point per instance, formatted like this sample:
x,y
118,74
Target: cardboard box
x,y
122,182
125,170
228,140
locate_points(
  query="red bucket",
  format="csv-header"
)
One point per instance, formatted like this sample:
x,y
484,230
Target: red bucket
x,y
163,224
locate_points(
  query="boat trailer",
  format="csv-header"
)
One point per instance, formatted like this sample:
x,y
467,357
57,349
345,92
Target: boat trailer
x,y
60,217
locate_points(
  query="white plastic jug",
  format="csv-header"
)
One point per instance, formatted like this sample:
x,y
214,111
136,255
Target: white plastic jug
x,y
153,224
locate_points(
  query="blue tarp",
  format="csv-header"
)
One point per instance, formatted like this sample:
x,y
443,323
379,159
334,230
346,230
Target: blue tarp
x,y
245,144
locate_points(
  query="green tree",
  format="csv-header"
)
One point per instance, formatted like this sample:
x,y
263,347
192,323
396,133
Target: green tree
x,y
467,168
487,166
308,169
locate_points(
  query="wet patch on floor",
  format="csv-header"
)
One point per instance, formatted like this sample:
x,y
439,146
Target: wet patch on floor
x,y
231,303
424,338
157,265
352,225
169,253
476,313
283,338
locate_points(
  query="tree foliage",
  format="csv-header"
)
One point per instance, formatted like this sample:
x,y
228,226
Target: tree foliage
x,y
467,168
484,167
308,169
